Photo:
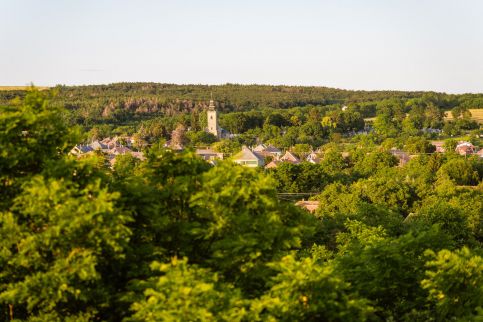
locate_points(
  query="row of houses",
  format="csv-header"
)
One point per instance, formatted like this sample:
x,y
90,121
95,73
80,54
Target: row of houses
x,y
462,148
111,147
256,157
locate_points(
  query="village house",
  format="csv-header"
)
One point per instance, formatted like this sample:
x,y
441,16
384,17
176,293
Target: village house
x,y
209,154
309,205
248,158
97,145
290,157
119,150
465,148
81,149
110,147
439,145
268,151
402,156
313,158
137,155
273,164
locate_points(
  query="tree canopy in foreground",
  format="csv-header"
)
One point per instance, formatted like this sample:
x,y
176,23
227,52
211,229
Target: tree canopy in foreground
x,y
172,238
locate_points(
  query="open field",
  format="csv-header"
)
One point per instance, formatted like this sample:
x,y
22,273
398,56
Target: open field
x,y
19,88
476,114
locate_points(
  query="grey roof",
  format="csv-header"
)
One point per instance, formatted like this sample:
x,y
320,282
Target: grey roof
x,y
247,154
120,150
96,145
84,148
272,149
260,148
205,151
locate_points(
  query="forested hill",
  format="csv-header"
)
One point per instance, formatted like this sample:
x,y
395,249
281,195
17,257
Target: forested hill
x,y
233,96
123,102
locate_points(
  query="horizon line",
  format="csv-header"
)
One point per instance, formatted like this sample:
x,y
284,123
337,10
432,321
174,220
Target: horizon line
x,y
243,84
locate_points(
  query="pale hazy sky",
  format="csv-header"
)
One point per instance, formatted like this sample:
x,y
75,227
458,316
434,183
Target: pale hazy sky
x,y
354,44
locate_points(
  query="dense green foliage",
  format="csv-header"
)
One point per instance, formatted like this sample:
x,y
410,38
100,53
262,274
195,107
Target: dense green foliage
x,y
281,115
173,238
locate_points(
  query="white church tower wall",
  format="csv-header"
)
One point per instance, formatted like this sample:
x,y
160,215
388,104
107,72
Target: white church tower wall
x,y
212,114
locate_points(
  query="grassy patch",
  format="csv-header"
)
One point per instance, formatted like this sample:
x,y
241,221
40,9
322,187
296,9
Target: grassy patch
x,y
20,88
476,114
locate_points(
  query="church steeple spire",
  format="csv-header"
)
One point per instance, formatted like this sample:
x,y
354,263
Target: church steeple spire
x,y
211,107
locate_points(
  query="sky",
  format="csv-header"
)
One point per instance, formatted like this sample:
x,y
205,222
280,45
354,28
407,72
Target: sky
x,y
353,44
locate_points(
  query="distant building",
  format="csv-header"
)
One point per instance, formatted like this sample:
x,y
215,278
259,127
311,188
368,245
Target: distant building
x,y
213,126
248,158
439,145
111,148
209,154
97,145
273,164
119,150
268,151
212,114
309,205
465,148
313,158
81,149
290,157
137,155
402,156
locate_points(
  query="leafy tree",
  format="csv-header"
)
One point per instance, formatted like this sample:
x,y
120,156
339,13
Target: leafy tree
x,y
358,234
389,272
32,133
333,162
125,165
460,170
235,122
99,132
178,136
418,145
303,177
240,225
197,138
386,188
306,291
302,149
450,145
186,293
389,116
62,246
454,281
227,146
449,219
369,163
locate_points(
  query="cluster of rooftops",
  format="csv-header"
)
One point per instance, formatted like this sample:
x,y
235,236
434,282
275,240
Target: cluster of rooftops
x,y
112,147
262,155
255,157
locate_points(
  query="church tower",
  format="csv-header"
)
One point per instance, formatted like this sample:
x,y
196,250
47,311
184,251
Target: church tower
x,y
213,127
